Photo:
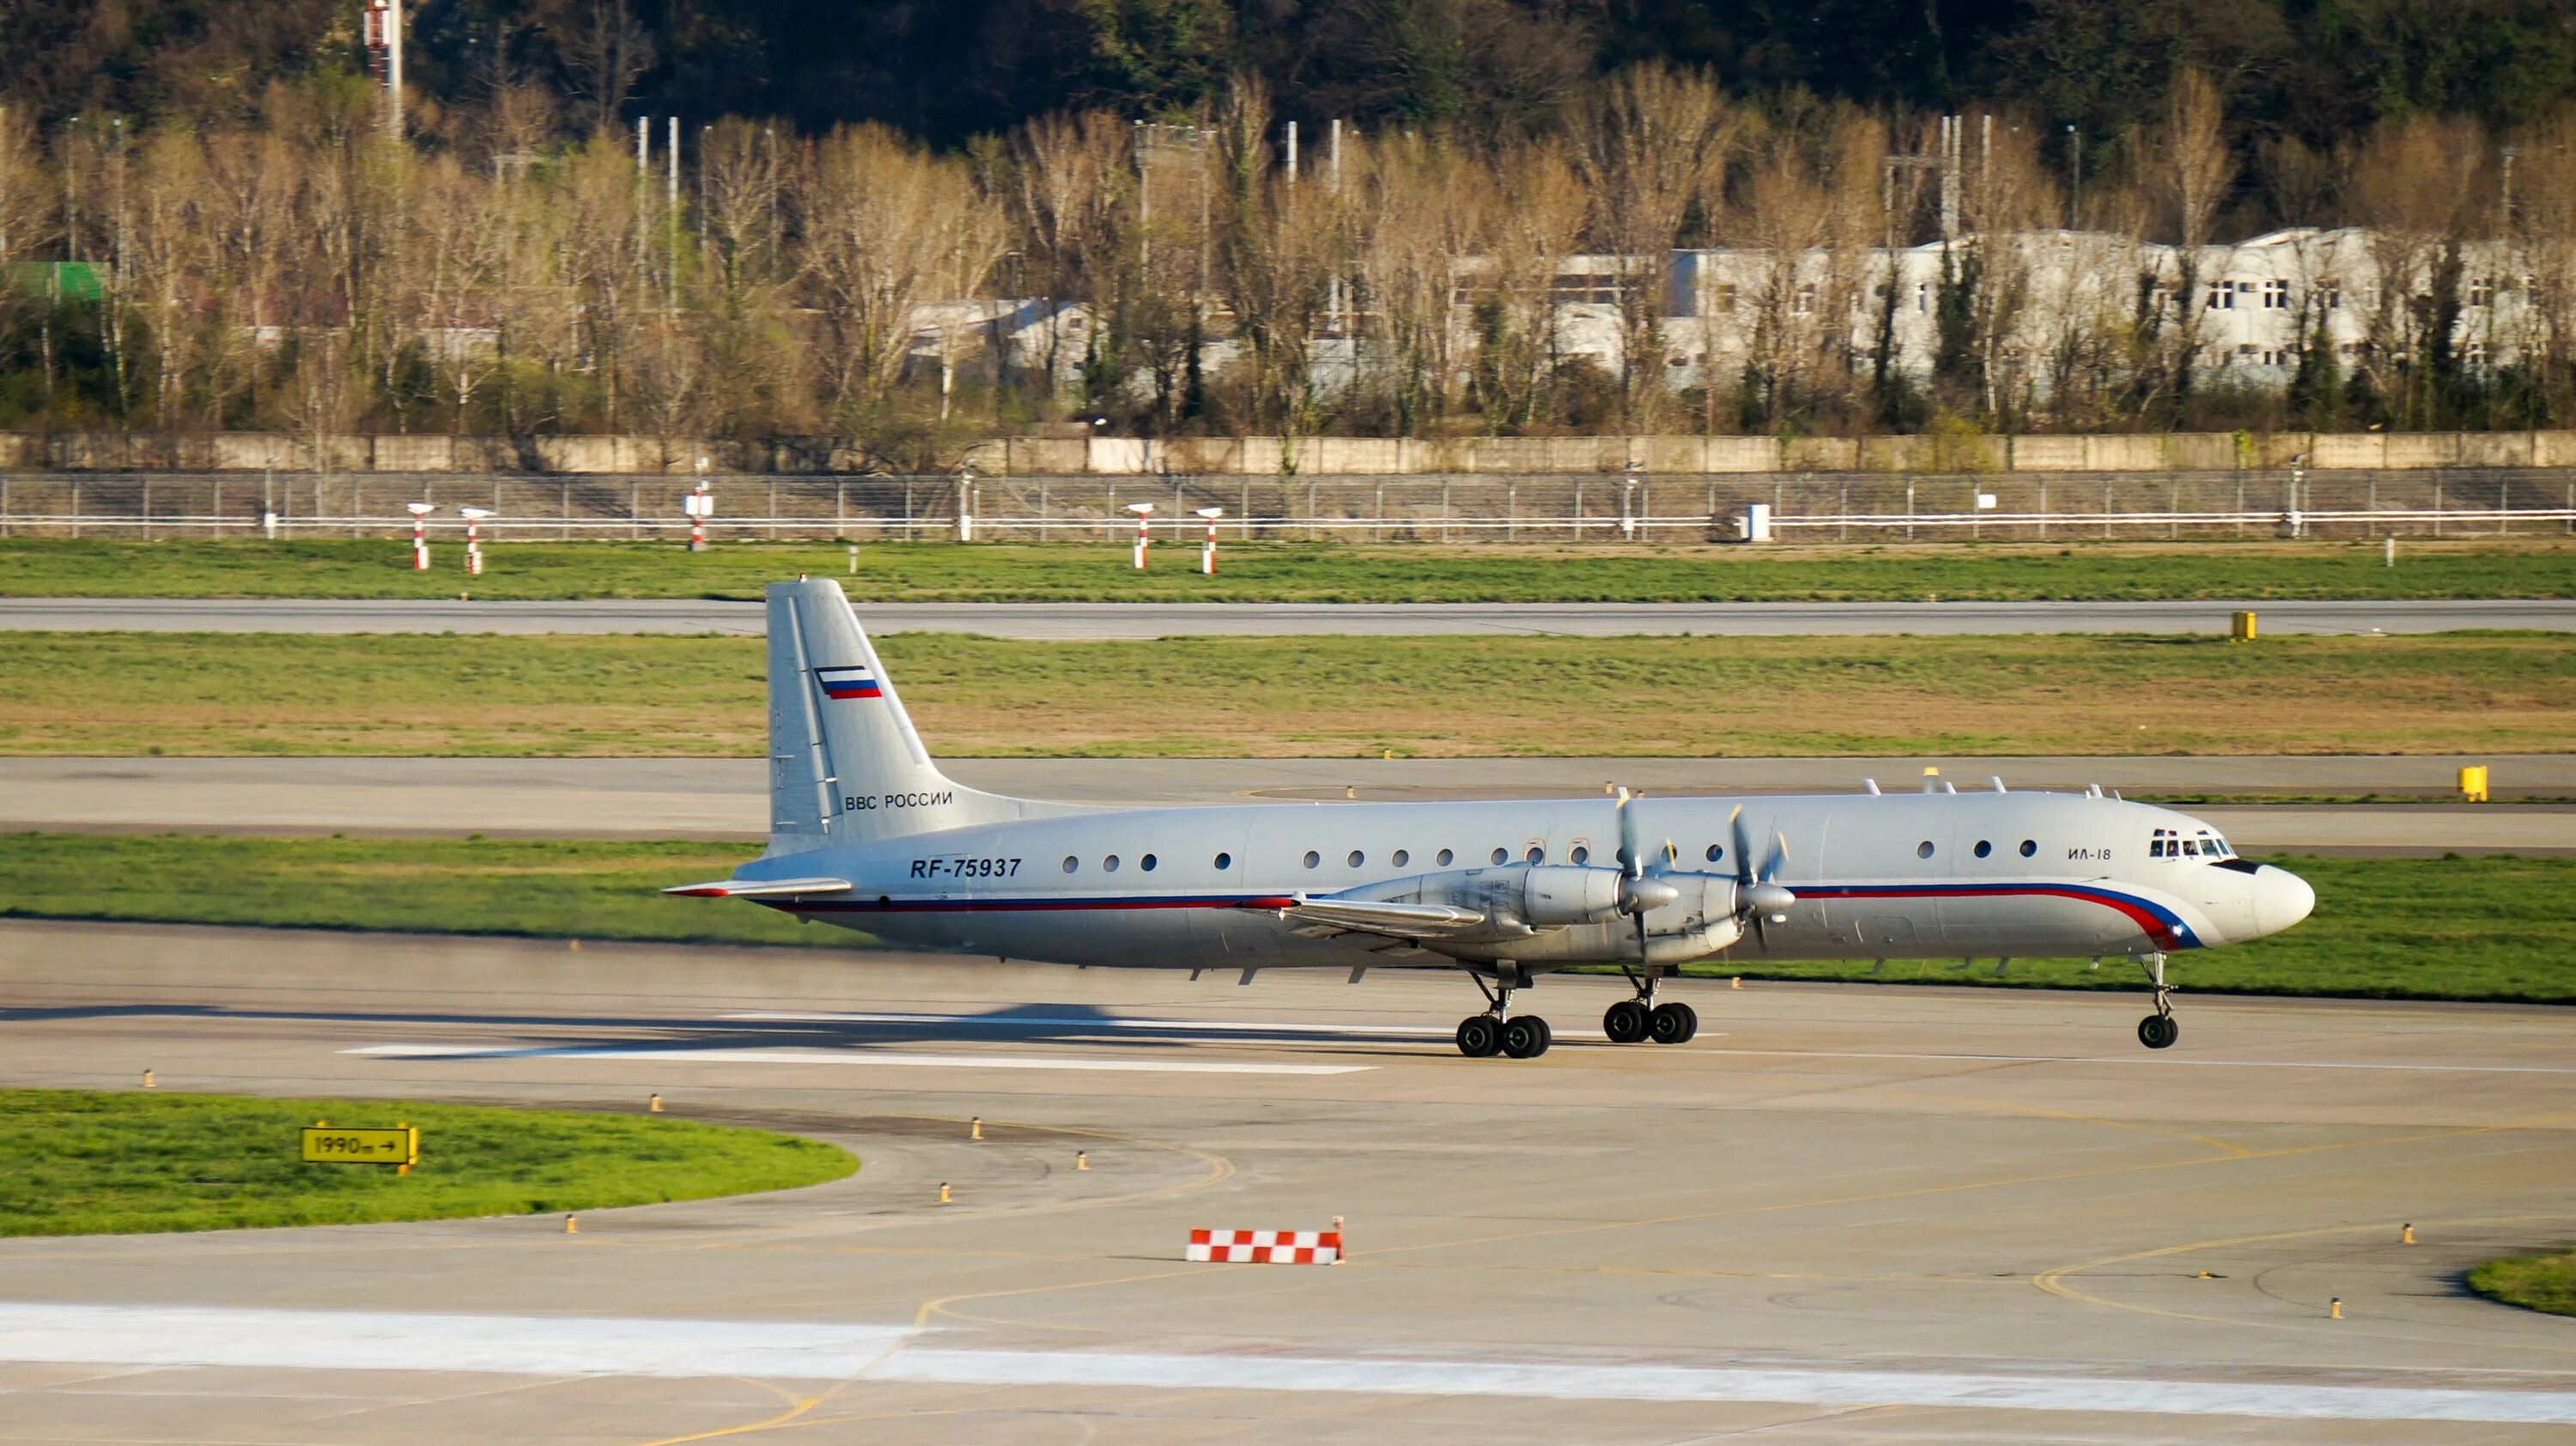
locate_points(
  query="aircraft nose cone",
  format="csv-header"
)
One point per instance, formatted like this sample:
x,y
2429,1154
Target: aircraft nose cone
x,y
2281,898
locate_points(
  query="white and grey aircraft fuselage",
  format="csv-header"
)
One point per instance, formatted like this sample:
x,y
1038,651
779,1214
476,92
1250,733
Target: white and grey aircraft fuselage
x,y
866,832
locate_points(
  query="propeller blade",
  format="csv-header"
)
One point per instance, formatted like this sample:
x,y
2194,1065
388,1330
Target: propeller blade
x,y
1630,860
1743,850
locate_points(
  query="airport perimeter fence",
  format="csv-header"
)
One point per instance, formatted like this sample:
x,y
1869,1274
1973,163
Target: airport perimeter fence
x,y
1552,509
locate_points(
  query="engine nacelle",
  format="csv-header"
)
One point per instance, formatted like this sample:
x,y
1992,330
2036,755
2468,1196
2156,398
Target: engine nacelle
x,y
1568,894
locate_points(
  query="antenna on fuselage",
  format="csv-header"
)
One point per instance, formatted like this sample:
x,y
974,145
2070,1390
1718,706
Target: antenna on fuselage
x,y
1997,780
1872,785
2092,790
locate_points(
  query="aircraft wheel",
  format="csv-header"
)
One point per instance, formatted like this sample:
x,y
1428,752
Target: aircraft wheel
x,y
1526,1036
1624,1022
1479,1037
1673,1023
2158,1031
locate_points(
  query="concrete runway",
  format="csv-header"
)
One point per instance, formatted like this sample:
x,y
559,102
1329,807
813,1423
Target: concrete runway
x,y
726,798
1077,621
1840,1215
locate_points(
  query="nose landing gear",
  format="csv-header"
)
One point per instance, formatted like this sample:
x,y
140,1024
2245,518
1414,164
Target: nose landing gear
x,y
1497,1031
2158,1030
1631,1020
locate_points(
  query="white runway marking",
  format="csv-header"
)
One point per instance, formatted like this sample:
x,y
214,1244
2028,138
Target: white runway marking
x,y
174,1336
858,1057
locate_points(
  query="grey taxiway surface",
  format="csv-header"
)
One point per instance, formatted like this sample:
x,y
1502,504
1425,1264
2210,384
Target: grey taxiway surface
x,y
726,798
1077,621
1840,1215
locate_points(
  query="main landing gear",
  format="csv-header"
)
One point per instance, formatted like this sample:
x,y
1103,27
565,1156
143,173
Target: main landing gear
x,y
1497,1031
2158,1030
1631,1020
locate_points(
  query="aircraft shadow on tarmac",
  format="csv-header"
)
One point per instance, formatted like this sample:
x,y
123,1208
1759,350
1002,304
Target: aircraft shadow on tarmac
x,y
854,1031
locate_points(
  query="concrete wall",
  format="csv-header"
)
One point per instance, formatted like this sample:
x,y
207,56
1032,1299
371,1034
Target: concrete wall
x,y
1304,456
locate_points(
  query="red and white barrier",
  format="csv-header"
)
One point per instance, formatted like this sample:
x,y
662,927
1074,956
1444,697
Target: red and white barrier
x,y
1266,1247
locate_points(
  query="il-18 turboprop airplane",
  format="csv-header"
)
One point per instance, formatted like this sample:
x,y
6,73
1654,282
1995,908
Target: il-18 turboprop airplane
x,y
866,832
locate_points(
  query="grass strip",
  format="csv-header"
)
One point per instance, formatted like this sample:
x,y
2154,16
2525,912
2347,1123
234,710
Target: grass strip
x,y
1309,572
2534,1282
75,1162
209,694
2495,928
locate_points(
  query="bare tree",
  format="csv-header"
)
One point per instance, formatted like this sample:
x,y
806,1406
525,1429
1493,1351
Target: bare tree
x,y
1424,211
2414,186
1542,209
883,226
2542,234
1652,146
2189,168
1071,180
604,51
30,223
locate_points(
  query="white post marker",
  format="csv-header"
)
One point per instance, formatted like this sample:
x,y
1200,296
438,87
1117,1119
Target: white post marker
x,y
474,539
699,505
1144,514
419,543
965,504
1207,550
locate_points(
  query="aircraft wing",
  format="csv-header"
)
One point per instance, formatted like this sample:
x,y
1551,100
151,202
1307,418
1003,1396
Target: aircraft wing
x,y
761,888
1402,921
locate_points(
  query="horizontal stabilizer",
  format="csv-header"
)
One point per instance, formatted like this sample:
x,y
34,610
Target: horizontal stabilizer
x,y
762,888
1404,921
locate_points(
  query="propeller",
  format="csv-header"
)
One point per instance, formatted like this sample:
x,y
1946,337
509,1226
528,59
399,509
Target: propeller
x,y
1639,895
1758,896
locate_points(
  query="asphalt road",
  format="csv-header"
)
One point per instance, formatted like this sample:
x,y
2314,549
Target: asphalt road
x,y
1839,1215
726,798
1081,621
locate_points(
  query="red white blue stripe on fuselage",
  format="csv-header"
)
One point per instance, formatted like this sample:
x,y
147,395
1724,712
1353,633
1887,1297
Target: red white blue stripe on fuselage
x,y
855,682
2163,927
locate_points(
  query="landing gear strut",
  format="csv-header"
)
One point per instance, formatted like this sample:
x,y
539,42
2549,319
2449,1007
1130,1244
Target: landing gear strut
x,y
1497,1031
1631,1020
2158,1030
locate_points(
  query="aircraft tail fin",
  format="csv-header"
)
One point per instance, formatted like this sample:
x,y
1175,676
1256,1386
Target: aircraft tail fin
x,y
845,765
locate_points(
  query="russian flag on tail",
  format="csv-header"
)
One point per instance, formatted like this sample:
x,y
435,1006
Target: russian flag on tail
x,y
851,682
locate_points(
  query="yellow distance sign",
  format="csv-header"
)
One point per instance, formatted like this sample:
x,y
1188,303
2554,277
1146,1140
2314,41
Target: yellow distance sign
x,y
330,1145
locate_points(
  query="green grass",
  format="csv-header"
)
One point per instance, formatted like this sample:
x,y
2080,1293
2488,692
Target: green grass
x,y
196,694
2497,927
79,1163
2534,1282
1296,572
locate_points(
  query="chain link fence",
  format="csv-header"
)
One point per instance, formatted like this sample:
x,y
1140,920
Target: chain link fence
x,y
1555,509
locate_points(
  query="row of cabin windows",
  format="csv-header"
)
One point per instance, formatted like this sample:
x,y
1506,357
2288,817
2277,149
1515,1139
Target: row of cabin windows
x,y
1582,854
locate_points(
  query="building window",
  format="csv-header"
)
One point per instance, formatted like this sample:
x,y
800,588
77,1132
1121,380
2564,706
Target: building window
x,y
1725,296
2482,291
1313,858
2330,294
2222,297
1923,296
1224,862
2276,295
1803,302
2475,354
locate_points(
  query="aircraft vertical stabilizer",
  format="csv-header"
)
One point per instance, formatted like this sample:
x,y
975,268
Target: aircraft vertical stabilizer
x,y
845,765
